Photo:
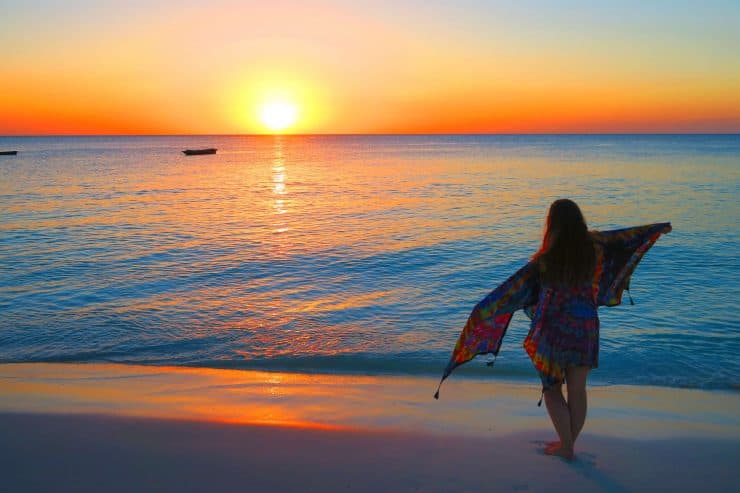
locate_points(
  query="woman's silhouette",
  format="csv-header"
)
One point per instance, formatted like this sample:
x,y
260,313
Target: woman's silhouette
x,y
573,272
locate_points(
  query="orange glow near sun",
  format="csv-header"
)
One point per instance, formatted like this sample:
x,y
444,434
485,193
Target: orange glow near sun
x,y
357,68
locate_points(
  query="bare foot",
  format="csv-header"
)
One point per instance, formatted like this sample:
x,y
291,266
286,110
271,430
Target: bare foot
x,y
557,449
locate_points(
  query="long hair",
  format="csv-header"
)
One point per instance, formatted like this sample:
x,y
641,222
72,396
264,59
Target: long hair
x,y
567,254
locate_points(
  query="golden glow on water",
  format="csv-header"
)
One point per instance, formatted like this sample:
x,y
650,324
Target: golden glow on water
x,y
313,250
305,193
341,302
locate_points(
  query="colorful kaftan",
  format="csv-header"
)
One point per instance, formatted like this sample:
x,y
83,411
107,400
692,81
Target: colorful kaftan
x,y
564,330
565,325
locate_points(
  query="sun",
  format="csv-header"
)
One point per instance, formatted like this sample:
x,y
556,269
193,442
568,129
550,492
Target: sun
x,y
278,115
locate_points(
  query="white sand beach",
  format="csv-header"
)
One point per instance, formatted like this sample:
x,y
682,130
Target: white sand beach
x,y
132,428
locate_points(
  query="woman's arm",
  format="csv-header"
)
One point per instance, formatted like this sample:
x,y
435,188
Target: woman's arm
x,y
622,250
632,237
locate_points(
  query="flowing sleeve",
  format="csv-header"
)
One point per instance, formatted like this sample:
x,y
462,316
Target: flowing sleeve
x,y
487,324
619,252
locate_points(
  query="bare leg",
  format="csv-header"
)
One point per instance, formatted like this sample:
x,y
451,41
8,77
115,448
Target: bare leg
x,y
575,378
559,413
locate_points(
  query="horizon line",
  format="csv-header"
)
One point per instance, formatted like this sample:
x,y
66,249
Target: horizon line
x,y
380,134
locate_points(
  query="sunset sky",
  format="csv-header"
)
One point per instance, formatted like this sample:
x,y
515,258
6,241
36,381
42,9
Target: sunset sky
x,y
186,67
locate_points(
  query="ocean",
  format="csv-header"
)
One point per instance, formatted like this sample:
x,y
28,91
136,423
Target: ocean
x,y
355,254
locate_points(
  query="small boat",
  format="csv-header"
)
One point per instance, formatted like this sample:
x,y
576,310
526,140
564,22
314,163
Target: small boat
x,y
8,153
196,152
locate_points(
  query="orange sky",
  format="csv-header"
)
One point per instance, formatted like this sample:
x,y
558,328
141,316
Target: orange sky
x,y
164,67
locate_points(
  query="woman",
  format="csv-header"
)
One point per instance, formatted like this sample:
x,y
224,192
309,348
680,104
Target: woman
x,y
566,326
572,273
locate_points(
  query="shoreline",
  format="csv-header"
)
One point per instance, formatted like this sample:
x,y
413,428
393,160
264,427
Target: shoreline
x,y
89,427
472,371
466,406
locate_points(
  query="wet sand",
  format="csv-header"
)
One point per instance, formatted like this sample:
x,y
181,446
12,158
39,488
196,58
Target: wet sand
x,y
130,428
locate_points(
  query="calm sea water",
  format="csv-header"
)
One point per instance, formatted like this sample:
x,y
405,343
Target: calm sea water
x,y
354,254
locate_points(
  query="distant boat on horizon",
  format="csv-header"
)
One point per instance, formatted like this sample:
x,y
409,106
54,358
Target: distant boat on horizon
x,y
195,152
8,153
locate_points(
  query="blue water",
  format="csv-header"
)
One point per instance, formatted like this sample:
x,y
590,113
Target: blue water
x,y
354,253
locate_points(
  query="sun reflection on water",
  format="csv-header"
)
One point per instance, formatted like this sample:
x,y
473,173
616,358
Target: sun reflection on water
x,y
279,189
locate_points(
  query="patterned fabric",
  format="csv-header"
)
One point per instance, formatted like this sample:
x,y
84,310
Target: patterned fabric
x,y
564,331
565,325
